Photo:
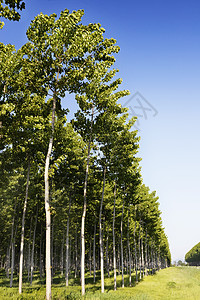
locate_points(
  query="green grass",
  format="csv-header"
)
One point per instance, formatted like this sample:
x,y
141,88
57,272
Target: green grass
x,y
172,283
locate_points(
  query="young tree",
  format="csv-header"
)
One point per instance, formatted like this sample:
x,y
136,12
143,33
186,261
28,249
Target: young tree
x,y
60,53
96,97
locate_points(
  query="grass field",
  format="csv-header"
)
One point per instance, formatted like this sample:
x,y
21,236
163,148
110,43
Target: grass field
x,y
172,283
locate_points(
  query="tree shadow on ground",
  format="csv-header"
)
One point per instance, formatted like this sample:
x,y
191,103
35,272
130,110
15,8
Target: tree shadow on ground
x,y
110,286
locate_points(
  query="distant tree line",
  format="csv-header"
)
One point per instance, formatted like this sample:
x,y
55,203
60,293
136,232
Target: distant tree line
x,y
192,257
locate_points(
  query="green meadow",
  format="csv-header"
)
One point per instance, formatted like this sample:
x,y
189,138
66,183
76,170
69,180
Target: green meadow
x,y
172,283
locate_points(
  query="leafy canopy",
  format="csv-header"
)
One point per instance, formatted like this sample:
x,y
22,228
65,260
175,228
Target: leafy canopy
x,y
8,10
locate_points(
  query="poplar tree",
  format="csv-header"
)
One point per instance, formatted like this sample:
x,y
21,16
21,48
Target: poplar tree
x,y
59,56
98,160
97,99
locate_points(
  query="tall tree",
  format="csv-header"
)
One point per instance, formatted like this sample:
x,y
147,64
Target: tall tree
x,y
95,98
59,56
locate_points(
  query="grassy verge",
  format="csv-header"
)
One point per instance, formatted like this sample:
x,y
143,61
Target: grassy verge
x,y
172,283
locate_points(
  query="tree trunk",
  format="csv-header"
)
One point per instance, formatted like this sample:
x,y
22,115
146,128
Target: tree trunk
x,y
94,256
146,256
151,258
136,262
111,262
13,256
114,252
47,206
166,265
84,212
69,255
159,260
90,258
107,258
118,260
67,246
129,250
139,248
142,254
41,260
76,253
8,261
22,232
73,255
8,264
62,256
29,251
80,257
126,260
55,261
52,254
33,246
100,233
122,256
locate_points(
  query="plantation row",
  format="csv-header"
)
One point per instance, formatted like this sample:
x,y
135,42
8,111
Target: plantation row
x,y
72,194
192,257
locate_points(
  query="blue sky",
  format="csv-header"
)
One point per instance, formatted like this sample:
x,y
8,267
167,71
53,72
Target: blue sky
x,y
160,59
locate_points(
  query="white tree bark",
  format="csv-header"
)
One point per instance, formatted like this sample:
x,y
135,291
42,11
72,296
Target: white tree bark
x,y
142,253
47,206
29,251
94,254
52,252
67,246
90,258
107,258
76,254
22,232
129,249
152,262
146,256
8,264
84,211
13,256
136,261
114,251
12,259
100,233
126,266
139,247
118,260
69,255
149,259
62,256
122,255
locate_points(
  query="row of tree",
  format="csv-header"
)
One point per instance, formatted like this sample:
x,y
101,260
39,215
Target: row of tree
x,y
53,171
192,257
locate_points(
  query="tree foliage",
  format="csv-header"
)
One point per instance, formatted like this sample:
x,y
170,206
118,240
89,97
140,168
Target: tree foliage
x,y
9,9
63,55
193,256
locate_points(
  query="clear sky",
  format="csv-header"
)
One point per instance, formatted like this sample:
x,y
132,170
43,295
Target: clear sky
x,y
160,59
